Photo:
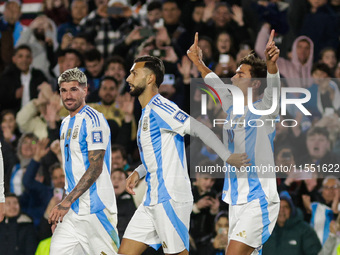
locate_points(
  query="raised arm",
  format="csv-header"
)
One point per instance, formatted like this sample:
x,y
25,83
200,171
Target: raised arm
x,y
210,78
96,158
272,54
195,54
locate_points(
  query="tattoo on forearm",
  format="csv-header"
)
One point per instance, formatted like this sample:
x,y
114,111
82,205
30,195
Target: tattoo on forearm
x,y
60,207
92,173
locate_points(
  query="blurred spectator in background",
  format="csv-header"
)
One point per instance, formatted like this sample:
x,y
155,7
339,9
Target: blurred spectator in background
x,y
324,208
321,26
37,194
40,116
325,94
79,10
225,55
10,31
154,14
25,151
125,204
41,36
115,67
67,59
105,24
319,149
94,63
10,128
208,50
216,242
57,10
119,114
291,235
119,157
206,205
332,245
17,233
19,82
171,14
81,43
227,19
328,56
275,12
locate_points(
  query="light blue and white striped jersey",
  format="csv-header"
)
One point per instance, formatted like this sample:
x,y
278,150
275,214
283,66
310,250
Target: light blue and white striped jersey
x,y
161,146
87,131
247,134
321,219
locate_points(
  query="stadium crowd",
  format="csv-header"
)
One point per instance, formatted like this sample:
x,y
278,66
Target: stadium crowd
x,y
40,39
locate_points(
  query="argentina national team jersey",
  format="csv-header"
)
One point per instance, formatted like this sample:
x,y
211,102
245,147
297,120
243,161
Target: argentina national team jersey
x,y
84,132
161,145
254,135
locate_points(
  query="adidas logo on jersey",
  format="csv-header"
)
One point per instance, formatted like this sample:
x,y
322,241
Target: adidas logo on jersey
x,y
103,253
164,245
242,234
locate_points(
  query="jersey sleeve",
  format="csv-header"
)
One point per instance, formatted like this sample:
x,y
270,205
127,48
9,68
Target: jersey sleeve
x,y
98,132
170,117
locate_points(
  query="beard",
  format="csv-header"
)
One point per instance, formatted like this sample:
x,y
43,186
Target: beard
x,y
139,89
73,107
107,102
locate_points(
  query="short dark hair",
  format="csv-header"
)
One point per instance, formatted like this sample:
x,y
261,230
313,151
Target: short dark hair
x,y
154,6
110,78
318,131
114,59
171,1
10,194
22,47
92,55
54,167
75,52
155,65
121,171
118,147
5,112
258,69
322,67
324,50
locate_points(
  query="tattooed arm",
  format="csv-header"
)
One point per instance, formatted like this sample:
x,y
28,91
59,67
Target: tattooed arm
x,y
90,176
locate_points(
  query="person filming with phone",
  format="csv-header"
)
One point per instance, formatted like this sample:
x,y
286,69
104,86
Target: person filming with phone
x,y
206,206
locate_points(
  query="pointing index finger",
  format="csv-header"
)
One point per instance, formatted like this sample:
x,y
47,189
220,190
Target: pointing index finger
x,y
271,37
196,39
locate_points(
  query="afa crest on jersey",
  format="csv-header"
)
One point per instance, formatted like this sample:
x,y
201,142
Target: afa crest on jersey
x,y
145,123
75,132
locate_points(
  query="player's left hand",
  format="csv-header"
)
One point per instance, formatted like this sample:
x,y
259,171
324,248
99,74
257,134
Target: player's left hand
x,y
2,211
58,212
272,52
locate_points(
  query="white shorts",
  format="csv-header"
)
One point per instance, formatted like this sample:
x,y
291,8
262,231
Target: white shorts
x,y
165,224
86,234
252,223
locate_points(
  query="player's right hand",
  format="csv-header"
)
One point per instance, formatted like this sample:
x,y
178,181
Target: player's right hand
x,y
131,183
238,160
195,52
